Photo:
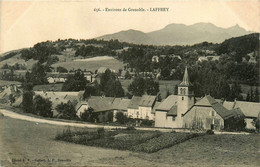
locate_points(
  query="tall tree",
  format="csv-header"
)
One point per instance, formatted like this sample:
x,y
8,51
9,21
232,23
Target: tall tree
x,y
67,111
42,106
75,82
27,103
137,87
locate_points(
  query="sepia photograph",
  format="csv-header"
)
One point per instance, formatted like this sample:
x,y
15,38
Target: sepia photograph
x,y
129,83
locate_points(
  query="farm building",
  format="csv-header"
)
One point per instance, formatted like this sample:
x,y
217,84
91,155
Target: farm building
x,y
56,77
142,107
249,109
103,106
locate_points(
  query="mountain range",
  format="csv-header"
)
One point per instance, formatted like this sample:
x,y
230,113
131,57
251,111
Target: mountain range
x,y
179,34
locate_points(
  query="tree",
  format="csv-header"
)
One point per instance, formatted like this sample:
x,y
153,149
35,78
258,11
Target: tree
x,y
90,91
175,90
38,74
127,75
62,69
105,77
42,106
137,87
121,117
110,116
76,82
27,103
67,111
151,87
89,115
11,99
114,89
235,124
256,96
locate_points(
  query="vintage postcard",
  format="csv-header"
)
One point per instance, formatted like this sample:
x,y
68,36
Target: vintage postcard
x,y
129,83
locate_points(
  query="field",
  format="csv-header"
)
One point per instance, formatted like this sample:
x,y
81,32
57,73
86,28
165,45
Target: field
x,y
35,144
132,140
164,85
91,65
48,87
3,82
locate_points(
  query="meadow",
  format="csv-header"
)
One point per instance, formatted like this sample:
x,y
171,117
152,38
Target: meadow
x,y
34,141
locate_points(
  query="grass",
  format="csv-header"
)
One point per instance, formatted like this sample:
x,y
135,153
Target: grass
x,y
4,82
137,141
48,87
91,65
164,85
31,140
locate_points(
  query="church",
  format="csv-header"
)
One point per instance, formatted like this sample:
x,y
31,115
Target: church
x,y
181,111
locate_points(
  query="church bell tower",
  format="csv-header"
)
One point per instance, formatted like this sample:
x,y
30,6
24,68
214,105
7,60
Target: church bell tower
x,y
185,98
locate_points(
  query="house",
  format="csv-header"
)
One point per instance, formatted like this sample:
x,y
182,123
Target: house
x,y
88,76
208,58
206,114
103,70
55,77
249,109
142,107
103,106
59,97
166,112
155,59
181,111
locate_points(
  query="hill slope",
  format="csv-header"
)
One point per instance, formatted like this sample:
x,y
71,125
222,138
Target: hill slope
x,y
179,34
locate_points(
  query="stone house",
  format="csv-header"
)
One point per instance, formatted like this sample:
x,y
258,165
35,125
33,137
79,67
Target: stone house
x,y
249,109
142,107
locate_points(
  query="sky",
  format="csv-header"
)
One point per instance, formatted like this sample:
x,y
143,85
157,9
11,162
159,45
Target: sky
x,y
25,23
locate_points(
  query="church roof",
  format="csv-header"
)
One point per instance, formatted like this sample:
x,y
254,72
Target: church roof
x,y
167,104
185,80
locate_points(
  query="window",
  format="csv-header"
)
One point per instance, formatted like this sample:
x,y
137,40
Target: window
x,y
182,98
173,118
212,113
184,91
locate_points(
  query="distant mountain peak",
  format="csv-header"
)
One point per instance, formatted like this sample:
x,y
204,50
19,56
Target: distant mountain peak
x,y
179,34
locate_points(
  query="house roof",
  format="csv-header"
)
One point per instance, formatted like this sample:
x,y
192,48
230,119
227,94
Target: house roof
x,y
134,103
57,75
250,109
167,104
155,106
173,111
100,104
59,97
209,101
120,103
237,112
147,101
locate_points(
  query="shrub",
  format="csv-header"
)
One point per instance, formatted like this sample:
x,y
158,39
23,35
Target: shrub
x,y
130,128
42,106
147,122
210,132
163,141
121,118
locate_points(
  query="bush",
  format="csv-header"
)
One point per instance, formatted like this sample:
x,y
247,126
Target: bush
x,y
147,122
164,141
130,128
121,118
210,132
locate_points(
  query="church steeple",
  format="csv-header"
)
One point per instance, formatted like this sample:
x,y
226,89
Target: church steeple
x,y
185,97
185,80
